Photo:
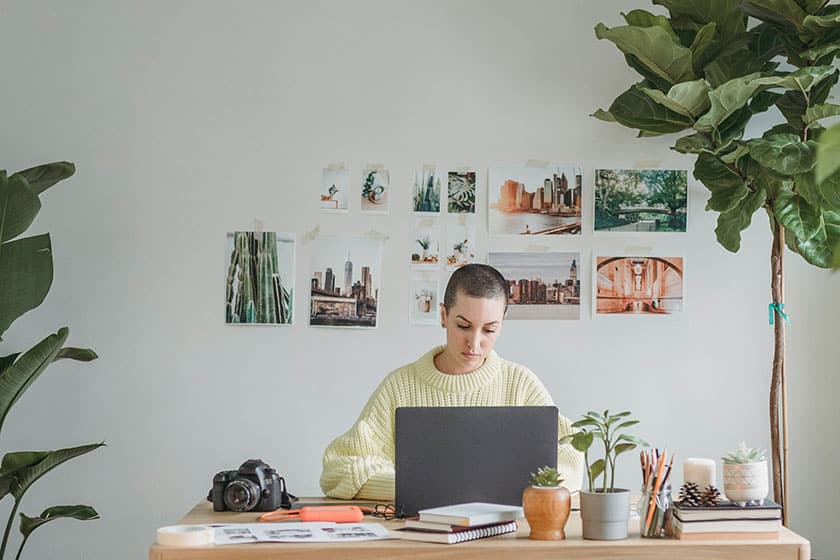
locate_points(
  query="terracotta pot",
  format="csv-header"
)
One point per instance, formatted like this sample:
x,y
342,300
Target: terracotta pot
x,y
547,510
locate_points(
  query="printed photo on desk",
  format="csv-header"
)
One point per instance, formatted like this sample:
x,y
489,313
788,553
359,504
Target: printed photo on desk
x,y
645,285
541,285
259,287
345,273
641,200
534,200
335,187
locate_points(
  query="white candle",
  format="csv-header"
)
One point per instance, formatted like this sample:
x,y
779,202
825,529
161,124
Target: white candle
x,y
699,471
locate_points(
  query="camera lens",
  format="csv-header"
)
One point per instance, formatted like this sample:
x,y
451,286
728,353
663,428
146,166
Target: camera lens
x,y
241,495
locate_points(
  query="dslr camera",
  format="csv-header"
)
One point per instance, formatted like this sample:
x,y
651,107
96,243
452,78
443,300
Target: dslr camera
x,y
253,487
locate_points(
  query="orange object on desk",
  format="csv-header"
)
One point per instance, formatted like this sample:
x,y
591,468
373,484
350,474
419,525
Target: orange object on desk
x,y
336,514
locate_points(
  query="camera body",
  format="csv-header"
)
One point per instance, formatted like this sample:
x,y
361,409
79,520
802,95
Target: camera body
x,y
253,487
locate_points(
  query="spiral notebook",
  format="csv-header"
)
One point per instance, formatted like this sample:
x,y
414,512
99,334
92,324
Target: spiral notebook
x,y
456,537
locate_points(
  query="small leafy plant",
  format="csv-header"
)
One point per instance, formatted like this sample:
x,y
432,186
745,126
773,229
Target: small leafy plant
x,y
546,477
424,242
605,427
743,455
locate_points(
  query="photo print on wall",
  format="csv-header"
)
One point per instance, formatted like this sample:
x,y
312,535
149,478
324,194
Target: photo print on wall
x,y
425,192
460,245
534,200
638,285
461,192
335,187
424,243
541,285
376,183
423,298
260,278
345,278
641,200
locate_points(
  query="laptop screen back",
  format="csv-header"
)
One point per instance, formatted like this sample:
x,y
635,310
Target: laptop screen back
x,y
450,455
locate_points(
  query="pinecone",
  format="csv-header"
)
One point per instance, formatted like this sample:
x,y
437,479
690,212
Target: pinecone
x,y
690,494
710,497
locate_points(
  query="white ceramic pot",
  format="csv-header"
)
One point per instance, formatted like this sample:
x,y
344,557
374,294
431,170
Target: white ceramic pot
x,y
745,482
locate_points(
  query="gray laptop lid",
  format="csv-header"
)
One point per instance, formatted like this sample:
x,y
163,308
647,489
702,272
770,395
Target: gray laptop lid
x,y
450,455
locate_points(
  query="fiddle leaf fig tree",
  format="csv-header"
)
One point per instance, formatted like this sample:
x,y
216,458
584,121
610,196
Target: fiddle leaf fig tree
x,y
706,69
26,273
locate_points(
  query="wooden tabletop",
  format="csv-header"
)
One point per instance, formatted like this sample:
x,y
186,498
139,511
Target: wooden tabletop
x,y
788,546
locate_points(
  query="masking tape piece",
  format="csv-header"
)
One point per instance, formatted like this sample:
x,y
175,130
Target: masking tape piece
x,y
537,163
258,227
374,167
638,250
463,170
185,535
641,164
308,237
537,248
431,168
426,223
336,166
373,234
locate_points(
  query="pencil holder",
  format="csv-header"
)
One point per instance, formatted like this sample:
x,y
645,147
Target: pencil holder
x,y
655,512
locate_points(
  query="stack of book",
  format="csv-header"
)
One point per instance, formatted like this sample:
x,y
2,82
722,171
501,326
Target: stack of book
x,y
460,522
728,521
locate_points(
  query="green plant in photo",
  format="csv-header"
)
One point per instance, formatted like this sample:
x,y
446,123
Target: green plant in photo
x,y
26,274
706,69
608,428
462,193
424,242
546,477
743,455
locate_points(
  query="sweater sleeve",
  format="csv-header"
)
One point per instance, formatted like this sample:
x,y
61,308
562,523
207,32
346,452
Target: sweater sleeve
x,y
360,462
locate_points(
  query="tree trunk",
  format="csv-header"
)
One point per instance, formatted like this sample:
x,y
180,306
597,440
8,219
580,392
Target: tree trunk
x,y
777,382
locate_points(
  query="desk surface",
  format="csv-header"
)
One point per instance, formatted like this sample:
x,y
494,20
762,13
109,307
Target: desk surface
x,y
789,545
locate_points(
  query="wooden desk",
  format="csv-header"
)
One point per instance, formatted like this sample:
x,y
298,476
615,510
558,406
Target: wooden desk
x,y
789,545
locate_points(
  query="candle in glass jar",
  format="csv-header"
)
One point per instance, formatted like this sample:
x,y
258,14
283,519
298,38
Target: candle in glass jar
x,y
699,471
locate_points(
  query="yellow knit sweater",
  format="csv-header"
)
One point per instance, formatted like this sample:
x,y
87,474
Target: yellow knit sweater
x,y
360,463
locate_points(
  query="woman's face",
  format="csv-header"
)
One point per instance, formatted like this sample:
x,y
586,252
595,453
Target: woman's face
x,y
472,326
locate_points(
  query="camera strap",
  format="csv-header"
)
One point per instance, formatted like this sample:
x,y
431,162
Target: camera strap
x,y
286,499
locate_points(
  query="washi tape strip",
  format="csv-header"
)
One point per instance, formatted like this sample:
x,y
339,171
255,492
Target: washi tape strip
x,y
185,535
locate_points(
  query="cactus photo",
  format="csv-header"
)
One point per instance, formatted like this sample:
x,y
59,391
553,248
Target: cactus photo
x,y
260,278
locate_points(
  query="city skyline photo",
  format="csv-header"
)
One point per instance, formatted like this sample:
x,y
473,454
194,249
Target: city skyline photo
x,y
541,285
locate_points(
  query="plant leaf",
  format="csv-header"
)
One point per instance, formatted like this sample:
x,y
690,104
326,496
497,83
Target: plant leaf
x,y
18,206
819,23
26,272
633,439
817,53
725,13
783,13
80,512
627,424
821,111
726,99
20,375
783,153
690,99
28,476
731,223
819,250
797,215
654,48
635,109
701,44
78,354
691,144
15,462
726,186
643,18
604,115
596,468
582,441
42,177
803,79
828,153
622,447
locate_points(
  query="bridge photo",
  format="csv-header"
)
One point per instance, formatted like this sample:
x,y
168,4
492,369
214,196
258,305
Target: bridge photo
x,y
652,200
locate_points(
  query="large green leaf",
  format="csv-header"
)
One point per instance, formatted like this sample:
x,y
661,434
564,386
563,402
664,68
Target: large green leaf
x,y
725,13
643,18
822,111
828,153
691,144
731,223
18,206
819,250
799,217
635,109
596,468
26,477
654,48
816,53
701,47
14,463
803,79
80,512
690,99
726,185
785,14
726,99
820,23
812,6
42,177
26,272
784,153
20,375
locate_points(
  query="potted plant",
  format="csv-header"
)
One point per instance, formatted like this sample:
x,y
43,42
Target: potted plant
x,y
707,72
604,509
546,504
745,475
26,274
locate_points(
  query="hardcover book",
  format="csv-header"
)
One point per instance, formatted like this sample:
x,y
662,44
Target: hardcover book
x,y
731,526
471,514
728,511
457,536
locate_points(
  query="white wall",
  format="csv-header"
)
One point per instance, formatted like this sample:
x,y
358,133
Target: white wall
x,y
190,119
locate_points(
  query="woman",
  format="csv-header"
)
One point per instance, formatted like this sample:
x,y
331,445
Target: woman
x,y
464,372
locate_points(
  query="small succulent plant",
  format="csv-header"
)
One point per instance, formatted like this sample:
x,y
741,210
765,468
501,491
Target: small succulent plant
x,y
546,477
743,455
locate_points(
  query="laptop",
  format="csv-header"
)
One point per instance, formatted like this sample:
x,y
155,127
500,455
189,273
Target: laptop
x,y
459,454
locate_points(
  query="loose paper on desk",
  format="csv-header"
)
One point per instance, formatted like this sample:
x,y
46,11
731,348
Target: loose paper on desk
x,y
303,532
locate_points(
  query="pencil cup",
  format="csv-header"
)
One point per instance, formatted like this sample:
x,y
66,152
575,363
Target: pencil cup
x,y
655,512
